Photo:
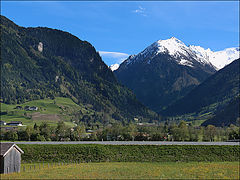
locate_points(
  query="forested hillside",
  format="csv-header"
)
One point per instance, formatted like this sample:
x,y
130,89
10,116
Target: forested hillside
x,y
213,95
38,63
229,115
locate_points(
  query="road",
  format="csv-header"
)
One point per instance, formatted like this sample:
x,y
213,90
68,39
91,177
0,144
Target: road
x,y
132,143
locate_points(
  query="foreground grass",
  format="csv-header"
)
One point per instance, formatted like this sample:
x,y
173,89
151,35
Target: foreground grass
x,y
131,170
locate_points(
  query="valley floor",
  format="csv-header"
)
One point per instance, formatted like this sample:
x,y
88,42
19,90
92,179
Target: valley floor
x,y
129,170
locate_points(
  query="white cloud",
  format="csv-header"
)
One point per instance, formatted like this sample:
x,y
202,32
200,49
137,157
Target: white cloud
x,y
113,54
113,57
140,11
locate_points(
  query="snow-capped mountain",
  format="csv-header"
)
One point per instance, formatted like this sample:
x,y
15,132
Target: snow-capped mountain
x,y
164,72
185,55
181,53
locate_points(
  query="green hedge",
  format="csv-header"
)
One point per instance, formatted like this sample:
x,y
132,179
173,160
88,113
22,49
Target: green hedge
x,y
128,153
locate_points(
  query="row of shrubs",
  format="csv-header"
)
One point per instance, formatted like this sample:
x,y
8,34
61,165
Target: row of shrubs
x,y
128,153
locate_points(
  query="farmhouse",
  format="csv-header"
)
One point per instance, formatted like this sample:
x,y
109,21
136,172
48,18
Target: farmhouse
x,y
15,123
32,108
10,158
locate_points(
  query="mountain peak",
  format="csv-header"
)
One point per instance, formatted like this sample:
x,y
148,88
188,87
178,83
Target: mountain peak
x,y
171,40
172,45
186,55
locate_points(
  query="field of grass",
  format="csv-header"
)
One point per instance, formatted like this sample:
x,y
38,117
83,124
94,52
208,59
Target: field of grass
x,y
50,111
130,170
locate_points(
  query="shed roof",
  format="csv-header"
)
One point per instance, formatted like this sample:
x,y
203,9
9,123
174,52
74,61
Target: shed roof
x,y
6,147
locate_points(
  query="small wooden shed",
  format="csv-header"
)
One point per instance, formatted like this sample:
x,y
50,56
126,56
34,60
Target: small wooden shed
x,y
10,158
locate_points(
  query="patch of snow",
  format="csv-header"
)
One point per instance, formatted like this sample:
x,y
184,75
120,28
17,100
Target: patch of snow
x,y
219,58
201,52
225,57
185,62
114,67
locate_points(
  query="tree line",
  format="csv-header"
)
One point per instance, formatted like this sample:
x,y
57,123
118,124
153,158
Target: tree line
x,y
182,131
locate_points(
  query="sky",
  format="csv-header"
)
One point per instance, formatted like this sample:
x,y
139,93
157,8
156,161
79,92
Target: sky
x,y
118,29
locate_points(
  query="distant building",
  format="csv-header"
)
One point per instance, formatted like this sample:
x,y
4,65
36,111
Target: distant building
x,y
14,123
10,158
32,108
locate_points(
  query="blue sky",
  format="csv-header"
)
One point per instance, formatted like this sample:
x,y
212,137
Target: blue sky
x,y
118,29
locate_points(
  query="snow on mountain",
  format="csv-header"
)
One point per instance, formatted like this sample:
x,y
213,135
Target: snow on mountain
x,y
114,67
201,52
173,46
177,49
185,62
222,58
219,58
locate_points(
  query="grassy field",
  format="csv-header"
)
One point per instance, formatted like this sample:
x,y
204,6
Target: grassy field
x,y
50,111
130,170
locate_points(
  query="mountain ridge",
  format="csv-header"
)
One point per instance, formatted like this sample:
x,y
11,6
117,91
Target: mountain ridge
x,y
174,46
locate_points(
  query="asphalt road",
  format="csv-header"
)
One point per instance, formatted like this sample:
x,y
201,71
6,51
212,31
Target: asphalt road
x,y
132,143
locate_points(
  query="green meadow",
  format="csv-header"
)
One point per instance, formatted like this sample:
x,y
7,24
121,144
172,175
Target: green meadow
x,y
129,170
50,111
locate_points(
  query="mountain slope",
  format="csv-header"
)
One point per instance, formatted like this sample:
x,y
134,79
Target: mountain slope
x,y
40,62
218,90
164,72
227,116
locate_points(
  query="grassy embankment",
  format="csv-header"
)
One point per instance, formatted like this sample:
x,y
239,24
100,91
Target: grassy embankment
x,y
128,153
130,170
50,111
